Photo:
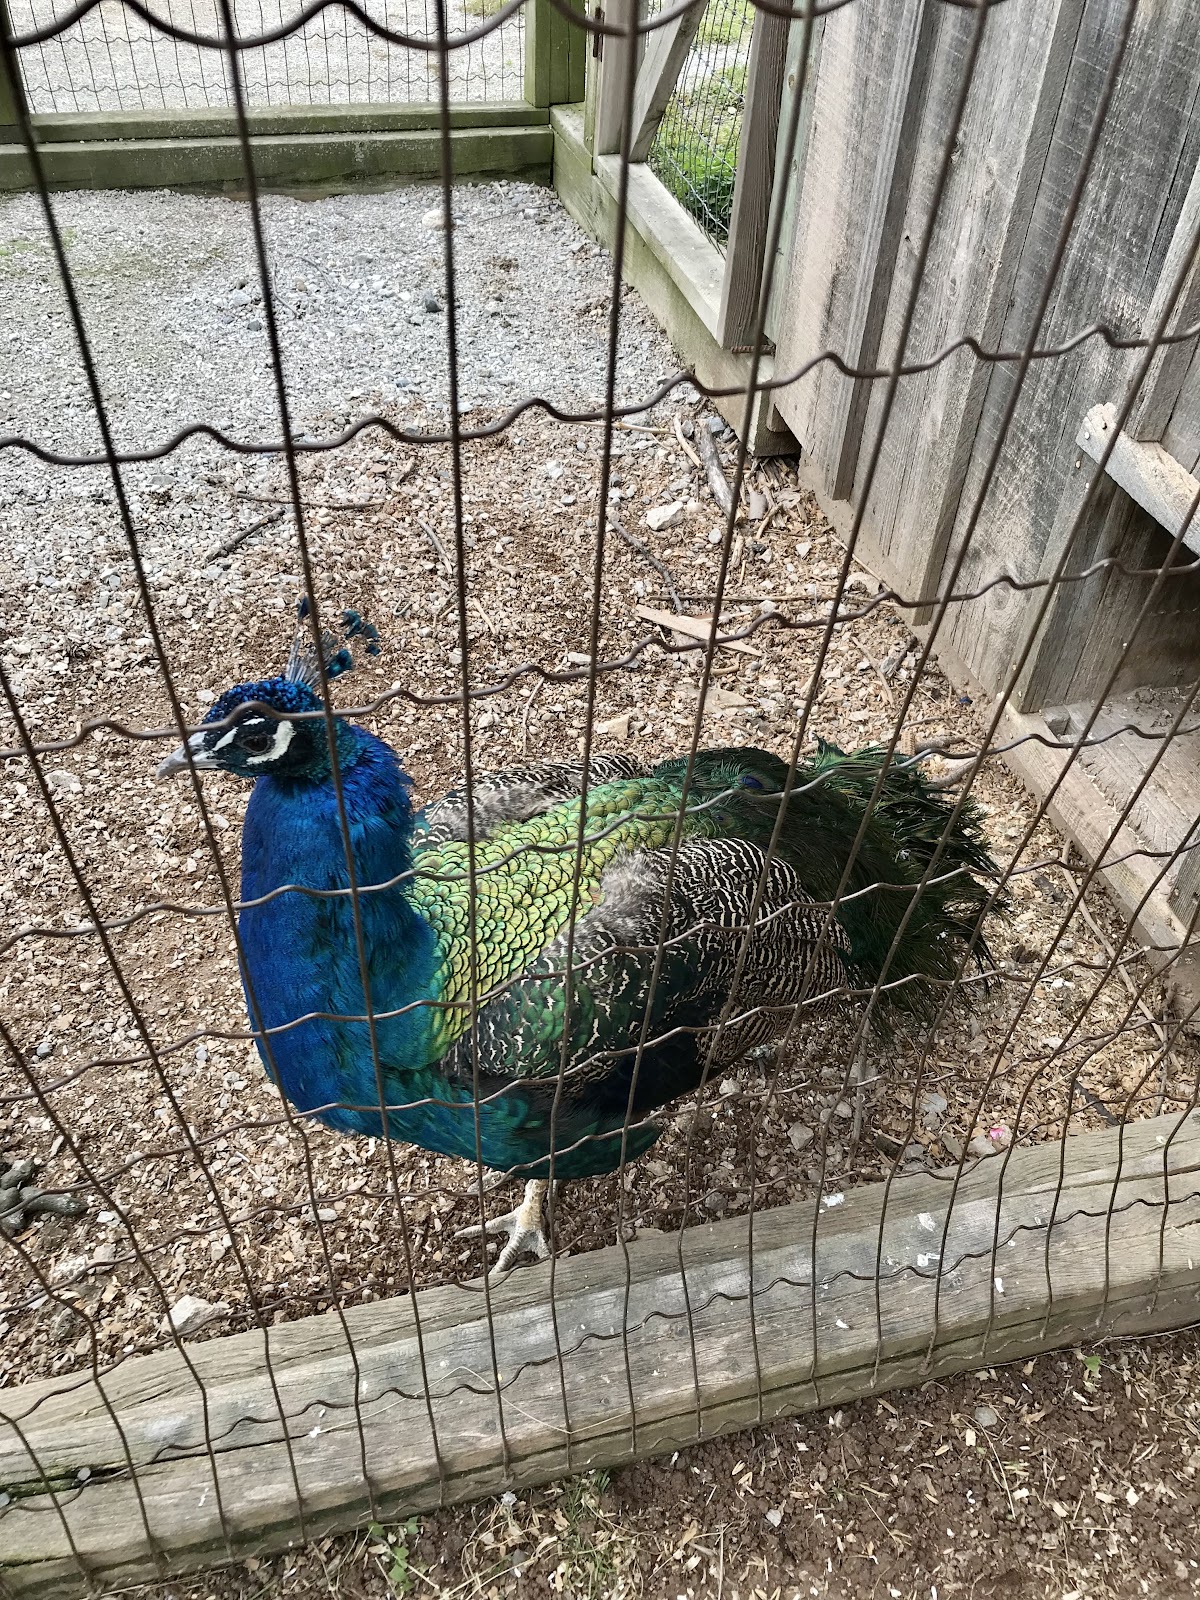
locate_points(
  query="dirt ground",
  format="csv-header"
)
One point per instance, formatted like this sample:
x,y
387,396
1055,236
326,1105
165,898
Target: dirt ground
x,y
1084,1484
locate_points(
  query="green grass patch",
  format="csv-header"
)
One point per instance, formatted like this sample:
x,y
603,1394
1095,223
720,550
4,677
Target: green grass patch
x,y
695,151
726,22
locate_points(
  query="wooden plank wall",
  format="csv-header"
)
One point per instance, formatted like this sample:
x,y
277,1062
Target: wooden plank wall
x,y
887,78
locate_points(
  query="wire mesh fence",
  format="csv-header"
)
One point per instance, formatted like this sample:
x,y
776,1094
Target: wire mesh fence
x,y
713,911
116,59
695,151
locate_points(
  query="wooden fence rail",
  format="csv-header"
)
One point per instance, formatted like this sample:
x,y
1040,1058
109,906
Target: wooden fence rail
x,y
1045,1247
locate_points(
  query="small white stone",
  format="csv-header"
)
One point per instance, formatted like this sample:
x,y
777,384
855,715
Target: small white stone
x,y
434,219
63,782
189,1314
660,517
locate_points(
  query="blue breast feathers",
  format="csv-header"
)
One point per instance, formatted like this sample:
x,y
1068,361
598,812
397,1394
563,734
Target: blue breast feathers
x,y
300,950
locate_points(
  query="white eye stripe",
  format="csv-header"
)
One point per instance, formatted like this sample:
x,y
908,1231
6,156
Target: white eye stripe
x,y
284,734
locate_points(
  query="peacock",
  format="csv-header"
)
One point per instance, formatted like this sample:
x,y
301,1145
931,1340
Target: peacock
x,y
691,942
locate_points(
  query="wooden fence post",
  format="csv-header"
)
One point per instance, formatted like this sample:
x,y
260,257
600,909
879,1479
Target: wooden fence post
x,y
555,55
746,251
12,91
618,59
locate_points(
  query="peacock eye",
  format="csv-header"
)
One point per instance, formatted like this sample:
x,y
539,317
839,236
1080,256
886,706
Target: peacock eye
x,y
257,743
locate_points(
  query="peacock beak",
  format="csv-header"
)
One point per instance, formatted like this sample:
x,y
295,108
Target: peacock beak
x,y
177,761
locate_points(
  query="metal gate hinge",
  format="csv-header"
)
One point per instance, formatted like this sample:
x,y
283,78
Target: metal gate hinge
x,y
598,38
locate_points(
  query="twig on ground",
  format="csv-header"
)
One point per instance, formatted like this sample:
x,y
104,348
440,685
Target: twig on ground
x,y
533,694
442,553
713,470
686,447
240,537
648,555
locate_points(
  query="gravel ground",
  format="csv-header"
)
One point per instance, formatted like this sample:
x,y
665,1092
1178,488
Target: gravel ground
x,y
167,291
114,61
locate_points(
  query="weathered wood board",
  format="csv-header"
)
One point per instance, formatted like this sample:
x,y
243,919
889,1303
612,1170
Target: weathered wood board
x,y
1091,792
666,50
841,250
1112,271
887,84
680,1339
745,250
1147,473
978,232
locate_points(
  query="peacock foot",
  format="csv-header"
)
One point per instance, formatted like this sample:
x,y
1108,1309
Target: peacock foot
x,y
523,1227
491,1181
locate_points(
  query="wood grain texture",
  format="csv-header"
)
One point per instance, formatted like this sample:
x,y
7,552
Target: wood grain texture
x,y
72,127
556,53
12,91
618,60
979,233
745,250
1145,471
1037,1260
332,161
662,61
1088,795
867,58
1182,434
1123,242
799,78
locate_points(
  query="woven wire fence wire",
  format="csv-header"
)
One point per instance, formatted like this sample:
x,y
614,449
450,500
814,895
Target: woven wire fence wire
x,y
116,59
695,151
273,1216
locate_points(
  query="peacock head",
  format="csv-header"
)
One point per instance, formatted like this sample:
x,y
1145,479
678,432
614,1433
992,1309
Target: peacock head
x,y
275,727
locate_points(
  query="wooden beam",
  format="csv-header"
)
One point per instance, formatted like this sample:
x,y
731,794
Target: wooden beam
x,y
746,248
1088,816
66,127
12,91
321,161
1146,472
555,55
1009,1269
872,68
666,51
672,263
618,58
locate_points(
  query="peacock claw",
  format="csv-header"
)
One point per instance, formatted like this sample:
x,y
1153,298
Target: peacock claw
x,y
491,1181
523,1227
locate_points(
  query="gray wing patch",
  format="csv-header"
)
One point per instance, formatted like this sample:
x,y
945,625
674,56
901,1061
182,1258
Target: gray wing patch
x,y
515,794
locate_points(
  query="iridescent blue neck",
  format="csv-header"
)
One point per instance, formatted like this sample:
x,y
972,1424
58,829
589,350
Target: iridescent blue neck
x,y
301,950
